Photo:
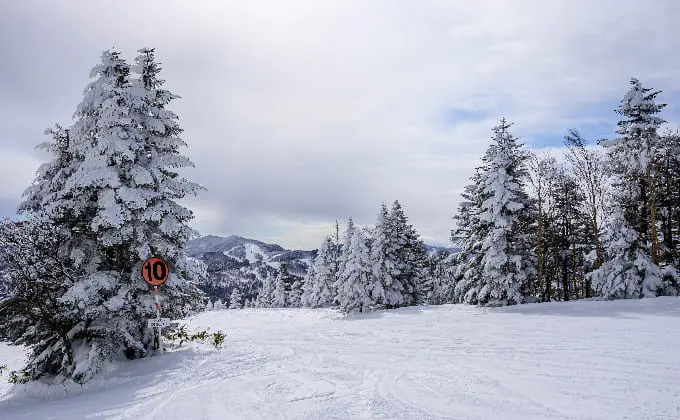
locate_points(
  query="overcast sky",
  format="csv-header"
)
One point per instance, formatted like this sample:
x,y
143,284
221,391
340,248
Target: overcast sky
x,y
301,112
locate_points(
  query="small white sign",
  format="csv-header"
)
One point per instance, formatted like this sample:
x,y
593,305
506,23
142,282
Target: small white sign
x,y
159,322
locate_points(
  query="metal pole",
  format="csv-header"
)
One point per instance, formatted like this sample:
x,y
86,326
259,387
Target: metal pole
x,y
158,316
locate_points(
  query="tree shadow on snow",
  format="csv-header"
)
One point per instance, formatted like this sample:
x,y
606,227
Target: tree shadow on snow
x,y
105,396
625,309
383,313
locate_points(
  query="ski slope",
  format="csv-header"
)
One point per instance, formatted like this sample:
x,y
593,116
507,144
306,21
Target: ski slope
x,y
582,360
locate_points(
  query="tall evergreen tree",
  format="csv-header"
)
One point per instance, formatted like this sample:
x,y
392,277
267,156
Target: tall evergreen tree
x,y
280,295
494,228
411,258
321,276
344,255
507,263
632,270
356,275
383,262
114,197
469,235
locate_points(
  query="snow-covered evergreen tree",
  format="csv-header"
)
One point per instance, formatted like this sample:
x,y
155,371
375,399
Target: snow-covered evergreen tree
x,y
280,295
496,263
411,259
355,278
628,272
218,305
344,255
320,277
306,299
295,293
265,298
114,194
631,238
51,175
469,235
383,262
209,305
507,262
440,278
235,300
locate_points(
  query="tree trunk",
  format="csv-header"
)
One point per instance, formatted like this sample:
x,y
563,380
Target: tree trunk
x,y
573,271
652,218
539,251
596,234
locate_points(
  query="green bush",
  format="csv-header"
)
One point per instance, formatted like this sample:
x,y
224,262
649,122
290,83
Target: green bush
x,y
218,339
181,336
19,377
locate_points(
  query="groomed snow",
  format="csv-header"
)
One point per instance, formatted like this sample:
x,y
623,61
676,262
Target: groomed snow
x,y
583,360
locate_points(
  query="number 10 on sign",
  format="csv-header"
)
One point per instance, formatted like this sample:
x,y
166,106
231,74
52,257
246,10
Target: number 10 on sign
x,y
155,272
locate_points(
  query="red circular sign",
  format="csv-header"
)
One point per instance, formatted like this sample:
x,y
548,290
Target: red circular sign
x,y
155,271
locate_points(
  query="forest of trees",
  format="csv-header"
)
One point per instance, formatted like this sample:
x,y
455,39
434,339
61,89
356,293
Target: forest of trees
x,y
600,221
603,221
597,221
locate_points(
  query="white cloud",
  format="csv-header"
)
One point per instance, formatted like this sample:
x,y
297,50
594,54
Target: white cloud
x,y
301,112
17,171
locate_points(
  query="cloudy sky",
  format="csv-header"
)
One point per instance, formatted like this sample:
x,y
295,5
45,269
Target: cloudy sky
x,y
301,112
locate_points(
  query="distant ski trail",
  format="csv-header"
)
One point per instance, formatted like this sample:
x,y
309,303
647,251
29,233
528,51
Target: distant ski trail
x,y
583,360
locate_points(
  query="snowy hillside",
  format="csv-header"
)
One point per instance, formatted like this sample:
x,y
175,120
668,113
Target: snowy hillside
x,y
581,360
236,262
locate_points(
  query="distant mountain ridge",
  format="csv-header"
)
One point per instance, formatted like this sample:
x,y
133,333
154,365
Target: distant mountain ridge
x,y
238,262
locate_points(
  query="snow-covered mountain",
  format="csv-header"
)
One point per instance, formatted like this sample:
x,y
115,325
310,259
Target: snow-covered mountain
x,y
235,261
251,251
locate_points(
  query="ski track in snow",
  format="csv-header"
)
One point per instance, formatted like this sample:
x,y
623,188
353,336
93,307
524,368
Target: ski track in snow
x,y
583,360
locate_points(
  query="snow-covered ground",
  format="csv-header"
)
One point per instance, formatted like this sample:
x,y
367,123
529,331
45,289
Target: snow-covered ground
x,y
583,360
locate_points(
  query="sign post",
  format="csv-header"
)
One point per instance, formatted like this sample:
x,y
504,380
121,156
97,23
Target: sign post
x,y
155,272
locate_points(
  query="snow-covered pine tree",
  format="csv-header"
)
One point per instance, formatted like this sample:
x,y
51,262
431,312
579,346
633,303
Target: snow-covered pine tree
x,y
321,277
383,261
469,235
265,297
668,174
295,293
280,294
51,175
440,278
411,259
507,264
218,305
627,272
306,299
235,300
632,242
355,278
117,203
342,261
209,305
